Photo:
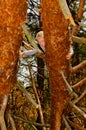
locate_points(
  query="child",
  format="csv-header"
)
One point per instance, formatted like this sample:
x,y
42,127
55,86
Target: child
x,y
40,39
41,42
28,53
41,45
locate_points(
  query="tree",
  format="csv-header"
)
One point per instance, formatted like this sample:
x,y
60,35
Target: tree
x,y
57,44
12,14
56,67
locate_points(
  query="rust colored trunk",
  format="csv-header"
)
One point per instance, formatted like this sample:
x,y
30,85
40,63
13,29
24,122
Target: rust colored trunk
x,y
57,45
12,15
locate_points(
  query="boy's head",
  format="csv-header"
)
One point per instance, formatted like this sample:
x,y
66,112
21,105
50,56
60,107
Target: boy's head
x,y
40,39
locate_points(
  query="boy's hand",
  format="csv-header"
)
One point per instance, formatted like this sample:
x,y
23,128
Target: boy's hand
x,y
21,54
68,56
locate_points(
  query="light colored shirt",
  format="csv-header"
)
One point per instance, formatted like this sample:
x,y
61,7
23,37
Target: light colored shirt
x,y
30,53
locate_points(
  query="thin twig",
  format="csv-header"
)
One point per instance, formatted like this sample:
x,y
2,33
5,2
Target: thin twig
x,y
75,125
81,65
66,123
80,97
2,111
78,109
79,84
29,122
37,97
12,122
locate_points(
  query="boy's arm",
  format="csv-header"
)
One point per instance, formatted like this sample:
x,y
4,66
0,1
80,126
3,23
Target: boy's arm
x,y
28,53
32,52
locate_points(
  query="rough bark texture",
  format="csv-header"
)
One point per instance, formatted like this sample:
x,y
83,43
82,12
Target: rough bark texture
x,y
12,15
57,44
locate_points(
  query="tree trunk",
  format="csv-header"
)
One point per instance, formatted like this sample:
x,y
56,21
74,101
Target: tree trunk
x,y
57,45
40,81
12,15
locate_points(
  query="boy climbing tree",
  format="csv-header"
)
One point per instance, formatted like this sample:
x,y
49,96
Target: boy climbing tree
x,y
41,45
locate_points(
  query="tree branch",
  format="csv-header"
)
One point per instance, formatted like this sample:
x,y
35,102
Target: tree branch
x,y
12,122
78,109
80,97
75,125
27,94
30,39
79,84
2,111
82,24
66,11
36,95
68,85
79,16
79,39
78,67
66,123
80,10
29,122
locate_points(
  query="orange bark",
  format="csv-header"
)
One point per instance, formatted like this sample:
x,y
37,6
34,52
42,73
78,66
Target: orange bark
x,y
12,15
57,43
